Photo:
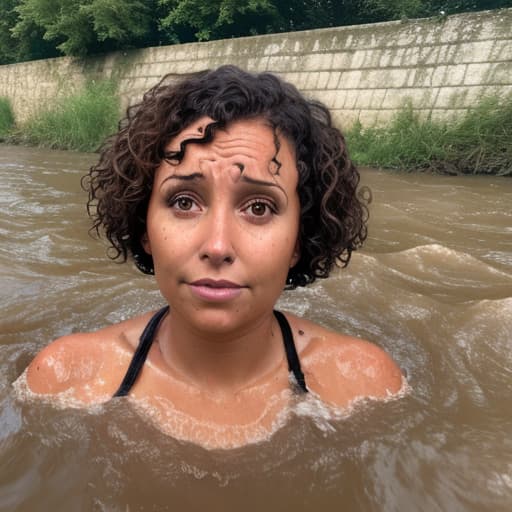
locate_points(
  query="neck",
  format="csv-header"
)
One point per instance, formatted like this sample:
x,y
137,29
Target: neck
x,y
221,362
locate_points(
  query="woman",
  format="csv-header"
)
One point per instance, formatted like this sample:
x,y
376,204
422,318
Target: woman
x,y
229,187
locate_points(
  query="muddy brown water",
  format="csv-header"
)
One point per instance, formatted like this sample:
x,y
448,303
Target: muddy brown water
x,y
433,286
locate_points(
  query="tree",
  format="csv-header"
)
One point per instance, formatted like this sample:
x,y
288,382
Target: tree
x,y
29,46
81,27
214,19
120,21
62,22
7,21
31,29
395,9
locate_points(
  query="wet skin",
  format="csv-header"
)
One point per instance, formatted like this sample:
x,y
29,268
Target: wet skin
x,y
222,229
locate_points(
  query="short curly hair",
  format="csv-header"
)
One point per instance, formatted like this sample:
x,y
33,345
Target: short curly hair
x,y
333,215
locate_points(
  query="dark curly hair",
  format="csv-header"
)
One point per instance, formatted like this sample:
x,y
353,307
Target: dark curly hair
x,y
333,214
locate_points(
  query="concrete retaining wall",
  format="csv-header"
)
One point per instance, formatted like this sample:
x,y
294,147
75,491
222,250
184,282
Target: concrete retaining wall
x,y
363,72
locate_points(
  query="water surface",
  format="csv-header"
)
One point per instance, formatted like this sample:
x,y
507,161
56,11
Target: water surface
x,y
433,286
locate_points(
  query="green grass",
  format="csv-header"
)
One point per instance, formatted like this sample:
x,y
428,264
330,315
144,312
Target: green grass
x,y
81,121
480,142
6,117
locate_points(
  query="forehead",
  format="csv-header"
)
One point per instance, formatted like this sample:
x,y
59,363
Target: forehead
x,y
250,144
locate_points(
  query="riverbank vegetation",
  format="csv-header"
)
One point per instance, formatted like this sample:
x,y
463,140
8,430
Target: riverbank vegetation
x,y
79,121
480,142
6,117
39,29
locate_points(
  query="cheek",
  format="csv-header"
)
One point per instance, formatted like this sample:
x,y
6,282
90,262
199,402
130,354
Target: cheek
x,y
160,240
173,245
164,235
273,255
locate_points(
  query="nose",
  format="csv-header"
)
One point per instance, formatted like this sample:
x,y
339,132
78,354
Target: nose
x,y
217,247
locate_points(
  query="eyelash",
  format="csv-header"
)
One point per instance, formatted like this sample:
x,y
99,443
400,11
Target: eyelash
x,y
174,200
268,204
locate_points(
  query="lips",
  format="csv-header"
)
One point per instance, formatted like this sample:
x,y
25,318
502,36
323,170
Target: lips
x,y
215,290
212,283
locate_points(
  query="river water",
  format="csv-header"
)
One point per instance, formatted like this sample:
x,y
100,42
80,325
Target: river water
x,y
433,286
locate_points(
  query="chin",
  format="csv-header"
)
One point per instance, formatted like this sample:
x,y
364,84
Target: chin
x,y
220,320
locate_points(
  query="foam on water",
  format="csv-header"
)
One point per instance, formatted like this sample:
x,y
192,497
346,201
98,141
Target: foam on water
x,y
323,414
63,400
209,435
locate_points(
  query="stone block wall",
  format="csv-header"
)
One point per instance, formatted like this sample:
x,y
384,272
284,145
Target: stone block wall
x,y
366,72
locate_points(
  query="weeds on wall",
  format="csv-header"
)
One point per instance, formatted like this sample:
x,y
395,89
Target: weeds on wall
x,y
6,118
478,143
81,121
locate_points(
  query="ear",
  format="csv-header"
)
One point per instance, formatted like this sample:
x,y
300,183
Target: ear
x,y
296,254
146,244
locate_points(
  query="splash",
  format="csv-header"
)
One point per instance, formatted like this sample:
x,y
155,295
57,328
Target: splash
x,y
63,400
324,415
164,416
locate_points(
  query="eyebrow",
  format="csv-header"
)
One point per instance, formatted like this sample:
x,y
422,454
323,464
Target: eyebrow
x,y
264,183
183,177
244,178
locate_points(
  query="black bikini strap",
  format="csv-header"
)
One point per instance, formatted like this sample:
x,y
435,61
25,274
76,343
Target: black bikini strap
x,y
139,357
146,339
291,351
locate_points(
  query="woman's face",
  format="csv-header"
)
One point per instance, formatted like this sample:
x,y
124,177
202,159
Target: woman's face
x,y
222,225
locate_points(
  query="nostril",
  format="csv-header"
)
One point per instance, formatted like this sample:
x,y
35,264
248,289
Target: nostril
x,y
217,258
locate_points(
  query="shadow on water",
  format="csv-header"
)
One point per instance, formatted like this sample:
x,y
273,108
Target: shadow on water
x,y
433,286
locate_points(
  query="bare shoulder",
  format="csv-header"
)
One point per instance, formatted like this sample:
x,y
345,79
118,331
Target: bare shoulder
x,y
342,368
89,366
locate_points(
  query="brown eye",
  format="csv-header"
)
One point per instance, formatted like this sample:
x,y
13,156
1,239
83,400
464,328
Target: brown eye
x,y
184,203
259,209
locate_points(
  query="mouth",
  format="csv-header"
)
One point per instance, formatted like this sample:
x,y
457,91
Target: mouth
x,y
212,290
212,283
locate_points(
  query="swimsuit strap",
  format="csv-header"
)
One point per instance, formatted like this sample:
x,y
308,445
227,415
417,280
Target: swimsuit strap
x,y
146,339
291,351
139,357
